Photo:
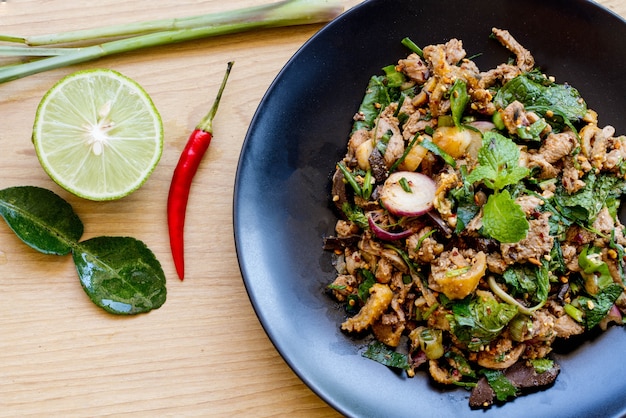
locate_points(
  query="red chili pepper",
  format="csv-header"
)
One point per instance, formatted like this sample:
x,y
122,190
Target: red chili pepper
x,y
185,170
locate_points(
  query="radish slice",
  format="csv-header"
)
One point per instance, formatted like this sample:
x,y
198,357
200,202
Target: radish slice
x,y
483,125
417,201
386,235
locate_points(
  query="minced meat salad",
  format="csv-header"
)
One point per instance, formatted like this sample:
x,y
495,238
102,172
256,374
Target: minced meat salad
x,y
478,220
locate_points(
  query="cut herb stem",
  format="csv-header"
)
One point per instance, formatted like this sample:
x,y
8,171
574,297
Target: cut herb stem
x,y
159,32
407,42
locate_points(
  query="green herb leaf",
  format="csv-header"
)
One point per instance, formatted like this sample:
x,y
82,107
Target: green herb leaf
x,y
379,352
460,363
584,205
376,98
598,307
366,285
502,387
477,322
556,263
542,365
120,274
503,219
355,214
528,281
466,207
537,93
499,162
40,218
436,149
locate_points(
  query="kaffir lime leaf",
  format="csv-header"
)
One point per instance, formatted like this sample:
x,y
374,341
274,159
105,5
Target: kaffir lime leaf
x,y
98,134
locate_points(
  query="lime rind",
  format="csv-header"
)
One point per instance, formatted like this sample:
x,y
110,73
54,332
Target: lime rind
x,y
98,134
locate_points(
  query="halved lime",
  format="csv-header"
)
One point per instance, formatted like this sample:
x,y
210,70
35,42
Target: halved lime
x,y
98,134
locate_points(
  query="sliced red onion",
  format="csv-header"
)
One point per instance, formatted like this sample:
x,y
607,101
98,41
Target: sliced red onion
x,y
385,235
440,223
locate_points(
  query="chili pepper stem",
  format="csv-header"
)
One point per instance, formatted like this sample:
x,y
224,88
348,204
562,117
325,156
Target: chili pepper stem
x,y
206,124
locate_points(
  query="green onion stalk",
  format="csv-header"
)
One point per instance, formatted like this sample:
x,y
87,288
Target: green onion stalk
x,y
493,285
125,38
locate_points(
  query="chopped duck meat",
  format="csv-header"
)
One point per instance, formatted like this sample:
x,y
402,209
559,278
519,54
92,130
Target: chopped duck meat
x,y
512,242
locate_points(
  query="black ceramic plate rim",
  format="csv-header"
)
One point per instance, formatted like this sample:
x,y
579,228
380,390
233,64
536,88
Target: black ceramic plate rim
x,y
267,301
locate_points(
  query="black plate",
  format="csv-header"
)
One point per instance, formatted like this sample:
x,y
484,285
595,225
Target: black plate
x,y
281,202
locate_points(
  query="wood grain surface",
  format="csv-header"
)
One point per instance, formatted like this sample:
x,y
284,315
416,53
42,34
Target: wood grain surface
x,y
204,353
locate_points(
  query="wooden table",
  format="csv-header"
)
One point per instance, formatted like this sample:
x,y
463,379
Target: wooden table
x,y
204,352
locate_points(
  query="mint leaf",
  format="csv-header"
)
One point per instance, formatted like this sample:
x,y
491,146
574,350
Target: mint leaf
x,y
499,162
503,219
498,152
512,176
483,173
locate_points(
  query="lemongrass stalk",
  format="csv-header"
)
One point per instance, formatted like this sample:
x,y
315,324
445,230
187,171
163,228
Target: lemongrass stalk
x,y
26,51
315,8
9,38
291,12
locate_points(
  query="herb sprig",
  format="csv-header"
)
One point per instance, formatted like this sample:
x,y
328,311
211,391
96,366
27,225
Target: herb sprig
x,y
498,158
